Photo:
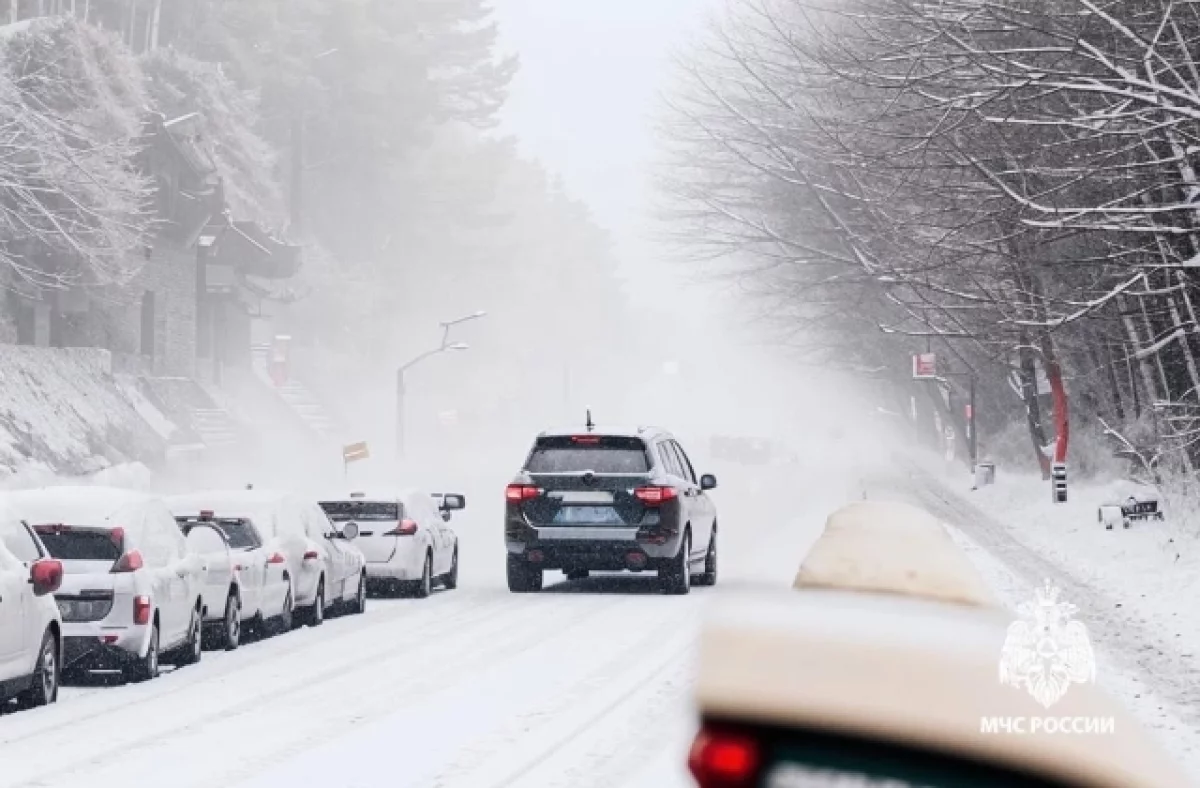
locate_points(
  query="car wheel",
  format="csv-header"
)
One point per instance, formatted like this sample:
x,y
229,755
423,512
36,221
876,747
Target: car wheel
x,y
231,626
360,601
424,586
46,675
709,576
677,578
193,647
521,578
285,621
450,579
315,615
146,668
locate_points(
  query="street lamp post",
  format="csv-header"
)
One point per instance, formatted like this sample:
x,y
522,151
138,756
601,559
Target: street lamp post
x,y
445,346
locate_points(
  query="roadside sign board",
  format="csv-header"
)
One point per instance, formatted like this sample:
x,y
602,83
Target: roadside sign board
x,y
355,452
924,366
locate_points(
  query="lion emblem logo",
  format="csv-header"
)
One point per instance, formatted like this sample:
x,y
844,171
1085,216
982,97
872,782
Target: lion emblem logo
x,y
1046,650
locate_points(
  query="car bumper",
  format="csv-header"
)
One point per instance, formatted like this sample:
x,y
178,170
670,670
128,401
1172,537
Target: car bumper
x,y
594,555
90,647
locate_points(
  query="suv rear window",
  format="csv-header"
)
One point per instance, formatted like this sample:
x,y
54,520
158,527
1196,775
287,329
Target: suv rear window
x,y
601,454
81,544
364,511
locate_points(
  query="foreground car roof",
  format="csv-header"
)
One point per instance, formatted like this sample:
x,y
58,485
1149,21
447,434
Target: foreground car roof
x,y
909,672
892,548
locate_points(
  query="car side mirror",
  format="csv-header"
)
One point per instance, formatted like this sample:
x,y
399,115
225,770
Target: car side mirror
x,y
708,482
350,531
446,516
453,502
46,576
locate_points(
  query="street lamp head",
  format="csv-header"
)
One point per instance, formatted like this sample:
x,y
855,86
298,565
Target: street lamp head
x,y
480,313
458,346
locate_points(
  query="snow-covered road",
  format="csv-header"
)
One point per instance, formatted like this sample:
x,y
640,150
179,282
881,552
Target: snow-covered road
x,y
584,684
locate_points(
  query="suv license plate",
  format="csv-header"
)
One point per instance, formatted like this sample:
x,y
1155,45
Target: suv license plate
x,y
592,515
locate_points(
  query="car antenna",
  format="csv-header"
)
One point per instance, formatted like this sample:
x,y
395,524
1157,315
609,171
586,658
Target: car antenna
x,y
590,425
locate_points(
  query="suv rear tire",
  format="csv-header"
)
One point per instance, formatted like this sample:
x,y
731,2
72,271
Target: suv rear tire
x,y
521,578
709,576
677,577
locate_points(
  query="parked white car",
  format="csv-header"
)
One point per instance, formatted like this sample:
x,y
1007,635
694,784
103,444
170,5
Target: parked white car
x,y
245,584
30,625
326,571
405,536
130,593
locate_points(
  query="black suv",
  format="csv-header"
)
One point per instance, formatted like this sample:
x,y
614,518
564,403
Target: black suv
x,y
608,500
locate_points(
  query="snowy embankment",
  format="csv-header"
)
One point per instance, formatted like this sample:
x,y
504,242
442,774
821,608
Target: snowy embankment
x,y
64,411
1135,589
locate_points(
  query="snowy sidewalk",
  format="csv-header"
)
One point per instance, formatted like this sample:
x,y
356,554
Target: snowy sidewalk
x,y
1135,589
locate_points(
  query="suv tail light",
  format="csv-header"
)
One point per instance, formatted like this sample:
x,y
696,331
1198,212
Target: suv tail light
x,y
653,496
141,610
724,759
129,562
277,558
515,493
311,555
405,528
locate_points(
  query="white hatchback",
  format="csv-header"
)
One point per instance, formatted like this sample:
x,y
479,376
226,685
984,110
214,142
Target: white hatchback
x,y
405,537
30,625
130,593
325,569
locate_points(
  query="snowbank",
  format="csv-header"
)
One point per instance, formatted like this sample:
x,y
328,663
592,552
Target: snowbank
x,y
63,412
1135,588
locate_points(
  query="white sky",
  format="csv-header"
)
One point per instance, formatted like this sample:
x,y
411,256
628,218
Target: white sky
x,y
592,72
589,80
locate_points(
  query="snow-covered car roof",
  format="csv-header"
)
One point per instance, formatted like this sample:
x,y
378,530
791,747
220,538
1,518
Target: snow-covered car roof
x,y
372,494
903,671
75,505
226,499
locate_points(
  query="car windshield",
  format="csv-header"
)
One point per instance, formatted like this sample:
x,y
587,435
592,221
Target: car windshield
x,y
367,511
585,453
69,543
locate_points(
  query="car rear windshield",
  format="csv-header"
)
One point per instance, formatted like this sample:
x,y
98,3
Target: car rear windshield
x,y
68,543
367,511
600,454
238,531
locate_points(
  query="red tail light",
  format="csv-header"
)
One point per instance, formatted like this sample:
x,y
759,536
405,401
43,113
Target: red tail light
x,y
405,528
141,610
118,537
276,558
129,562
586,440
46,576
653,496
724,759
515,493
311,555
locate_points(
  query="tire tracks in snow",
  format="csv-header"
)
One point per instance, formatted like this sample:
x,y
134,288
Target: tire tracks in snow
x,y
338,677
